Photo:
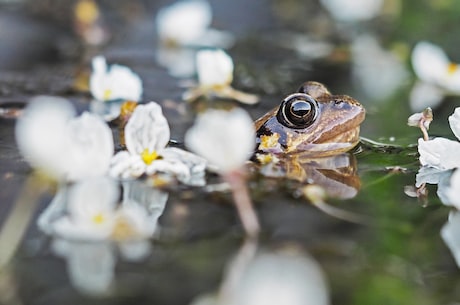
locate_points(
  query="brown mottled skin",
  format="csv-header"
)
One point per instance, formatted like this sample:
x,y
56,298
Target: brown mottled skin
x,y
335,129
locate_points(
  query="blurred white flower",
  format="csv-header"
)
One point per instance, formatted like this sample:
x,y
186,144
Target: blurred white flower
x,y
184,22
64,146
437,74
441,153
111,87
215,69
225,138
114,82
187,23
146,135
378,72
353,10
215,75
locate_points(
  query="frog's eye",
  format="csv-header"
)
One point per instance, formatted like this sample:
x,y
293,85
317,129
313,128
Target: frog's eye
x,y
297,111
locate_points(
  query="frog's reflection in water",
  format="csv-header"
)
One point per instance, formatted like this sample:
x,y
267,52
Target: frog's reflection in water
x,y
337,175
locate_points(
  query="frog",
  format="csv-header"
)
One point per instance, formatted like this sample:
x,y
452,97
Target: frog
x,y
312,122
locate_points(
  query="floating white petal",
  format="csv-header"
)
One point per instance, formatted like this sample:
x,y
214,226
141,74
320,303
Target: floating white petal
x,y
214,68
225,138
454,122
439,153
65,147
184,22
114,82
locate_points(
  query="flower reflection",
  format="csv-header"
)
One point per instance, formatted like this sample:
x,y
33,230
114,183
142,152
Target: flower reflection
x,y
438,76
146,136
287,276
215,75
94,226
111,86
66,147
450,233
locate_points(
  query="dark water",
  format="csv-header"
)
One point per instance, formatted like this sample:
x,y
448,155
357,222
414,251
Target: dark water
x,y
396,257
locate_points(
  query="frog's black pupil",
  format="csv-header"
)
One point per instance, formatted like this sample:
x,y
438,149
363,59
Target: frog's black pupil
x,y
300,108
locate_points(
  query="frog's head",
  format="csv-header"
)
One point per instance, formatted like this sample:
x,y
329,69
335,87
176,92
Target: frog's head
x,y
311,121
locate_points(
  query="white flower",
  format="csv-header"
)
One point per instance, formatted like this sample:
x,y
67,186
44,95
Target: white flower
x,y
353,10
184,22
438,75
215,75
225,138
64,146
146,135
215,68
439,152
114,82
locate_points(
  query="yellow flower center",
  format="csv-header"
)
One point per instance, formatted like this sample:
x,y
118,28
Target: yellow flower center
x,y
107,94
149,157
452,68
98,218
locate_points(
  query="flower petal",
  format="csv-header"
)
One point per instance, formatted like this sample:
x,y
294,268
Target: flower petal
x,y
225,138
453,190
147,129
114,82
184,22
41,134
126,166
454,122
214,68
91,147
429,62
439,153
